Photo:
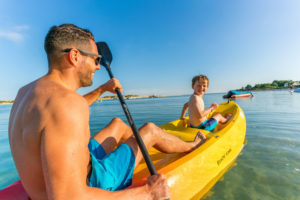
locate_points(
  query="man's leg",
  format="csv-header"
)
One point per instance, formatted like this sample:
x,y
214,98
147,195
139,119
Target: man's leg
x,y
112,134
154,136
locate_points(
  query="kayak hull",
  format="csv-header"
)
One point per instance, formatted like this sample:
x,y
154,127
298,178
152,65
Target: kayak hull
x,y
190,176
15,191
248,95
234,94
297,90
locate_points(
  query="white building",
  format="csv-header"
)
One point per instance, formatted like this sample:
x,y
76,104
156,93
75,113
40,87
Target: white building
x,y
296,83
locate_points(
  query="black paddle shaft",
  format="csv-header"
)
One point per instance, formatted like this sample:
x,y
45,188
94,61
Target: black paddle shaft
x,y
104,51
137,135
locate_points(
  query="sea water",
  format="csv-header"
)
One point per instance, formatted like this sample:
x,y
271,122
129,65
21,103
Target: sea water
x,y
269,167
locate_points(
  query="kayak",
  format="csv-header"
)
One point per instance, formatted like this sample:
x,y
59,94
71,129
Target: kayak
x,y
15,191
189,175
192,175
234,94
297,90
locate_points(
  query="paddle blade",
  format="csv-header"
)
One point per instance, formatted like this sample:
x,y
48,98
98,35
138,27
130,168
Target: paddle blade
x,y
104,51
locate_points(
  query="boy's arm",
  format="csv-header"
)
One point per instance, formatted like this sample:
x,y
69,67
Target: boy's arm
x,y
205,112
198,108
184,109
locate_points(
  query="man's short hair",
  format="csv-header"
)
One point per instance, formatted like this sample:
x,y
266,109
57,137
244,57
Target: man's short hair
x,y
200,78
65,35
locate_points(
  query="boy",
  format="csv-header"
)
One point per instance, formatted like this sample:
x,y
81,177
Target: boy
x,y
197,113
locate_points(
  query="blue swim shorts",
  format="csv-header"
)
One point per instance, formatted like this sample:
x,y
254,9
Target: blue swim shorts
x,y
111,171
208,125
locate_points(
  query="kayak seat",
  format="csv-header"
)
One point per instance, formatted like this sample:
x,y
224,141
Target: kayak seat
x,y
14,191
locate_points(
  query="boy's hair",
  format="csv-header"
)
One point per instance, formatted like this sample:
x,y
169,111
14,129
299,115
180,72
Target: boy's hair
x,y
200,78
66,36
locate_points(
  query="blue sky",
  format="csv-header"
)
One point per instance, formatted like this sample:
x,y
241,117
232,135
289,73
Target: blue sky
x,y
159,45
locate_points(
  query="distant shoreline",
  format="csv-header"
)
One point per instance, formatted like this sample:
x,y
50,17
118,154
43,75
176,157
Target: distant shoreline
x,y
132,97
6,102
128,97
276,84
107,98
267,89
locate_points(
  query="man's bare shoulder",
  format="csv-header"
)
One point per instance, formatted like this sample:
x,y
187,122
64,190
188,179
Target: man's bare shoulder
x,y
66,113
67,102
56,94
55,101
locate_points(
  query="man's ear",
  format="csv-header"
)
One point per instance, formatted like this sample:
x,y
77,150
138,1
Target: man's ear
x,y
74,57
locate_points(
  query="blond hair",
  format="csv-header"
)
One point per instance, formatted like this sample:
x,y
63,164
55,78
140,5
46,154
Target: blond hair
x,y
200,78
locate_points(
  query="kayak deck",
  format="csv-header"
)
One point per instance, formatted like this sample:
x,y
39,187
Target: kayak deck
x,y
191,175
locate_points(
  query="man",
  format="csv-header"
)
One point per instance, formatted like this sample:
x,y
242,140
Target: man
x,y
50,138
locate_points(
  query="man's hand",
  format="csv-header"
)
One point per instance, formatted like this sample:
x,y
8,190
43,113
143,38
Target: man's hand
x,y
158,187
112,85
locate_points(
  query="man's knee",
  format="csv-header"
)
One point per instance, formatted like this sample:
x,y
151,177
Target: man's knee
x,y
117,120
150,125
150,128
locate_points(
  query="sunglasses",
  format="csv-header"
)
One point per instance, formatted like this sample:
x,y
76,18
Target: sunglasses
x,y
97,59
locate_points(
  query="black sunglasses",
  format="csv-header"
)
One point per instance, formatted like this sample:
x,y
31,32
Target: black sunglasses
x,y
97,59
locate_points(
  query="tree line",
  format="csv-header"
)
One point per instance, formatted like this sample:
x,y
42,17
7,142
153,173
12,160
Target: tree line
x,y
276,84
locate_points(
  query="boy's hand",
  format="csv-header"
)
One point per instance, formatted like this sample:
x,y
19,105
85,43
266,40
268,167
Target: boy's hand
x,y
214,106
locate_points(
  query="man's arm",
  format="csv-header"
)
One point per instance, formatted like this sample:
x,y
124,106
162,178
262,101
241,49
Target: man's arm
x,y
65,156
109,86
184,109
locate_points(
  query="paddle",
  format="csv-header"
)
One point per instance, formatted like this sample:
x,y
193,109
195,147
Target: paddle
x,y
105,61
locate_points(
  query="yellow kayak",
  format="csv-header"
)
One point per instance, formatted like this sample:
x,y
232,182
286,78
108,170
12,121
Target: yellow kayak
x,y
191,175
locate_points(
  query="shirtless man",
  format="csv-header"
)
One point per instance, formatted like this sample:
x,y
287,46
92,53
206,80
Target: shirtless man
x,y
197,112
50,137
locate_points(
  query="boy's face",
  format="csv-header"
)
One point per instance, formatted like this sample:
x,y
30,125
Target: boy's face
x,y
200,87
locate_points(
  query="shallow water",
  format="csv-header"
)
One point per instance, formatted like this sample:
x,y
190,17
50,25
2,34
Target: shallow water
x,y
269,167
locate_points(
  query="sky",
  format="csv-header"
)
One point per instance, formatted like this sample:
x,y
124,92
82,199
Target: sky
x,y
158,46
